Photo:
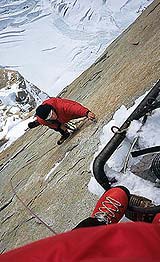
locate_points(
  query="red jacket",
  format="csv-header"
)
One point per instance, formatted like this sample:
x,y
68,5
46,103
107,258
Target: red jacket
x,y
65,109
123,242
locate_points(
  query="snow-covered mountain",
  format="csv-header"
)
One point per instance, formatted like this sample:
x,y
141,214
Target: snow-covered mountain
x,y
17,98
52,42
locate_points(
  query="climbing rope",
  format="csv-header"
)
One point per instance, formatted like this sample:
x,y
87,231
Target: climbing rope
x,y
29,209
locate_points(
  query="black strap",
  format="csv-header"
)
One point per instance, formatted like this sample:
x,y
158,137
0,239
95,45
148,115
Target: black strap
x,y
144,151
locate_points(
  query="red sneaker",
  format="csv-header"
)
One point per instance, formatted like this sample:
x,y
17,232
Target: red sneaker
x,y
112,205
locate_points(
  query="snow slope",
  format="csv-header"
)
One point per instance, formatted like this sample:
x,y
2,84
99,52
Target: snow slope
x,y
52,42
147,137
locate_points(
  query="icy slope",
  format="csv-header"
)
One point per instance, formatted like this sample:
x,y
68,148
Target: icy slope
x,y
52,42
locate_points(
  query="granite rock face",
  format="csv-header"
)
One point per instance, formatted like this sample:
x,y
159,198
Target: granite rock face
x,y
52,180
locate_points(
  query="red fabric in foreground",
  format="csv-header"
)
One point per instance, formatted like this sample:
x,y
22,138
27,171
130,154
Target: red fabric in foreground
x,y
118,242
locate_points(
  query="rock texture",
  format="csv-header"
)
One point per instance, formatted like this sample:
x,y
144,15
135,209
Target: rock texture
x,y
128,67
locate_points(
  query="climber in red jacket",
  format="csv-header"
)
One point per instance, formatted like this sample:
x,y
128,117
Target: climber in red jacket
x,y
99,238
56,112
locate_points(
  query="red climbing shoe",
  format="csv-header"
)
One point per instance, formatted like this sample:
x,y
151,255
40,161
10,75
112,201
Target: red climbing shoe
x,y
112,205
